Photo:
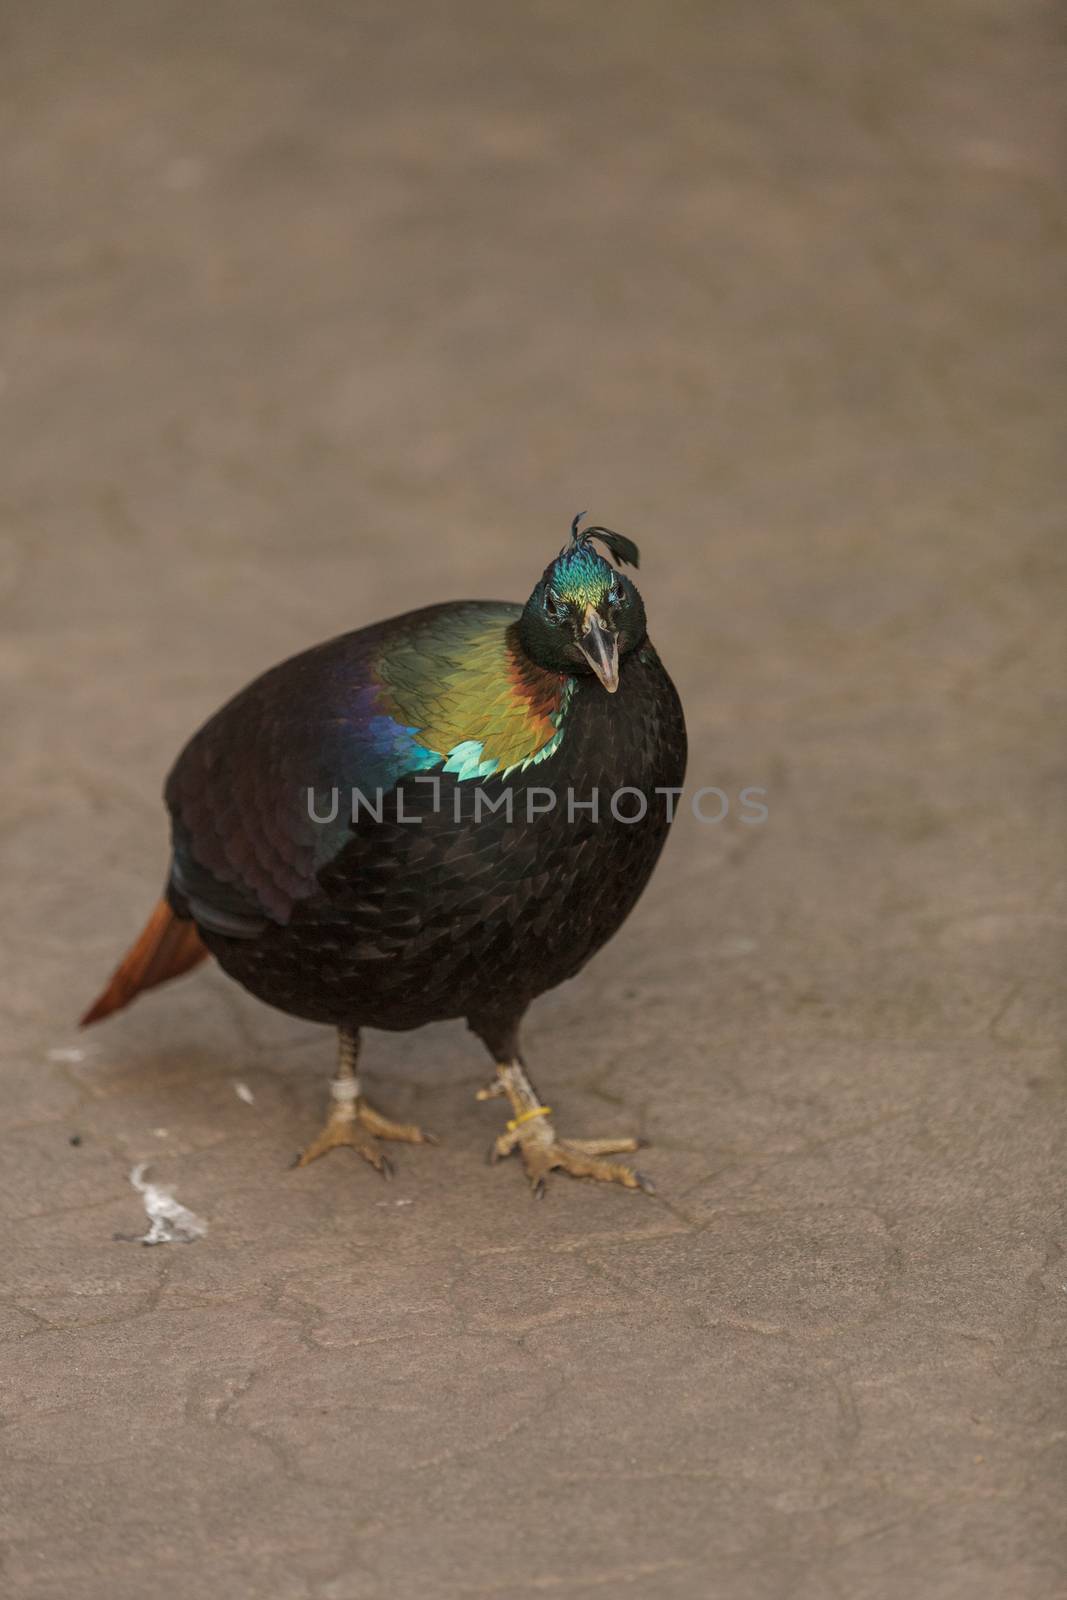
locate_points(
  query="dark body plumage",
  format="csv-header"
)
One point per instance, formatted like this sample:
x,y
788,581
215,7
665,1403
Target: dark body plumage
x,y
442,815
393,924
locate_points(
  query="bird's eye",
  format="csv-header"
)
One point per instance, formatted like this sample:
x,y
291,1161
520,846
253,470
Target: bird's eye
x,y
553,608
614,595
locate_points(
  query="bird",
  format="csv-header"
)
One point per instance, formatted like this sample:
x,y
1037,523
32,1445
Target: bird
x,y
442,815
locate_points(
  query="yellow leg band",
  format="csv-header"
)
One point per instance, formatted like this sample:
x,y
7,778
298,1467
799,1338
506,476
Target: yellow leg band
x,y
525,1116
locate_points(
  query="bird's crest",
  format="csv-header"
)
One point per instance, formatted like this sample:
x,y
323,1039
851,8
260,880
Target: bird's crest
x,y
622,550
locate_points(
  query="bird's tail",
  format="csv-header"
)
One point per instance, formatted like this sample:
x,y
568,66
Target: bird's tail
x,y
167,947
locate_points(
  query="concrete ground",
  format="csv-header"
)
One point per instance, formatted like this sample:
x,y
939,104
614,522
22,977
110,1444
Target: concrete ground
x,y
312,313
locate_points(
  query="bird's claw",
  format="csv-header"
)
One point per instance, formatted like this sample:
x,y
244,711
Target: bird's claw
x,y
359,1127
542,1152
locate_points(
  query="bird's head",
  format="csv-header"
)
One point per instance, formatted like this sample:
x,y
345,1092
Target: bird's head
x,y
584,616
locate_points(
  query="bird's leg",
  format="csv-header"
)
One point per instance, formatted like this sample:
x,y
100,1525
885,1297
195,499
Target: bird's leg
x,y
352,1121
530,1131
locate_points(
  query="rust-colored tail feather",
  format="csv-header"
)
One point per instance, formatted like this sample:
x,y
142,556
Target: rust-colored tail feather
x,y
167,947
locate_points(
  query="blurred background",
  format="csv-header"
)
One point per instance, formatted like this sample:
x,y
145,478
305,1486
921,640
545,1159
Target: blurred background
x,y
315,313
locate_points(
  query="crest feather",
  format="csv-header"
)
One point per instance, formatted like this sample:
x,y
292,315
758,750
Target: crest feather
x,y
622,550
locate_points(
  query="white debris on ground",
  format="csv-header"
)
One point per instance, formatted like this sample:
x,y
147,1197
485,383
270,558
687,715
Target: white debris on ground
x,y
71,1053
170,1222
243,1092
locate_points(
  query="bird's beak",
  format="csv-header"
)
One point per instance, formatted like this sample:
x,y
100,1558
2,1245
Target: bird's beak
x,y
600,647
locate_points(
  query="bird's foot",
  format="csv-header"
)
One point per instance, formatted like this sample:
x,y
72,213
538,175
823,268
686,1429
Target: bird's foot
x,y
582,1158
355,1123
531,1133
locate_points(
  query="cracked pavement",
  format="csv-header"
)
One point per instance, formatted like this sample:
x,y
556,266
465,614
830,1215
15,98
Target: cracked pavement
x,y
312,314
